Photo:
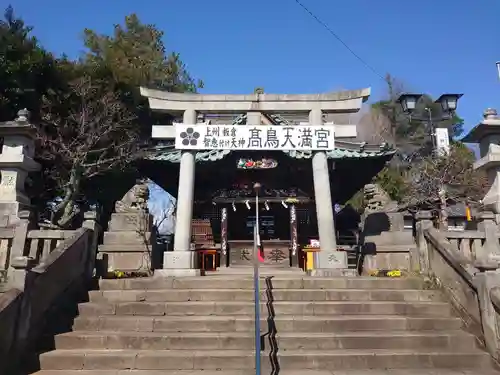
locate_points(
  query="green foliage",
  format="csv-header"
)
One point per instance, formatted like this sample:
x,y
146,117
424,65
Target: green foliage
x,y
135,55
452,174
27,71
392,181
412,134
72,147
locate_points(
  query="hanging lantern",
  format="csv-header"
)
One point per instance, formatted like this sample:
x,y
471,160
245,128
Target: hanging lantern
x,y
468,213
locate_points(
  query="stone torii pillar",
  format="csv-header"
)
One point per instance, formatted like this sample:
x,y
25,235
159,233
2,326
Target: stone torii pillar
x,y
182,260
328,260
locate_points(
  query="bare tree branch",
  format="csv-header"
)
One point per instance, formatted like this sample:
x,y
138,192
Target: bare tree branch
x,y
86,132
451,174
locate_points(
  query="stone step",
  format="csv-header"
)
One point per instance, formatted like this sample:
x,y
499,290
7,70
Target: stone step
x,y
126,238
418,308
264,271
160,295
128,248
228,282
285,372
456,340
235,359
245,323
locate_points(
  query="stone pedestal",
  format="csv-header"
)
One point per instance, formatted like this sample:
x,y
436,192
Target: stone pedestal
x,y
491,248
16,161
127,243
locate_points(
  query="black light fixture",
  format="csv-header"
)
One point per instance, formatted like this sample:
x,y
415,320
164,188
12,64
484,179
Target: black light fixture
x,y
408,101
449,102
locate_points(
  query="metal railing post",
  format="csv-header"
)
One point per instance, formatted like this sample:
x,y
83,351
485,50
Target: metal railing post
x,y
256,288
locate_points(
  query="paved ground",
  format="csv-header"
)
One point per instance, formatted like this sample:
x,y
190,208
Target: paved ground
x,y
350,372
252,372
397,372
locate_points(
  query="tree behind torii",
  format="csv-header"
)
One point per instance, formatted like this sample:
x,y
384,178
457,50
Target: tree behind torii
x,y
438,179
86,132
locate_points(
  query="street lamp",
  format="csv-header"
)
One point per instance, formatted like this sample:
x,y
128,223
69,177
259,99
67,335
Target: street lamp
x,y
498,68
449,102
408,102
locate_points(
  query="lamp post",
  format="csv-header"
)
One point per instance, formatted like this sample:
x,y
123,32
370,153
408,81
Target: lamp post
x,y
498,69
256,188
449,104
256,250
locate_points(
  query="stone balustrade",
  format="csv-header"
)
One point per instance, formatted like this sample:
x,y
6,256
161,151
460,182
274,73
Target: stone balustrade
x,y
466,267
469,243
48,271
24,245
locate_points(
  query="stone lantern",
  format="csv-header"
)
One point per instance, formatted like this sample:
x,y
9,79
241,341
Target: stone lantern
x,y
16,161
487,134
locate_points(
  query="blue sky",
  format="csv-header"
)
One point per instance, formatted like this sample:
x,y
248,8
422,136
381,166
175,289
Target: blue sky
x,y
235,46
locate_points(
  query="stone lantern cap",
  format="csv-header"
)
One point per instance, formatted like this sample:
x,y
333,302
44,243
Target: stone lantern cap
x,y
20,126
489,126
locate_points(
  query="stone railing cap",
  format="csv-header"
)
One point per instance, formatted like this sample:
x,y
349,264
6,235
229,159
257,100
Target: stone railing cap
x,y
486,215
25,214
90,215
486,265
423,215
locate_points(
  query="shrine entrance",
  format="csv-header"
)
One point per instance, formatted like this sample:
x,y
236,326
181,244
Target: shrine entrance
x,y
286,210
211,158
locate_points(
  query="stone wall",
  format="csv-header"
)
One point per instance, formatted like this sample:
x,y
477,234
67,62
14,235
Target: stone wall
x,y
465,266
60,279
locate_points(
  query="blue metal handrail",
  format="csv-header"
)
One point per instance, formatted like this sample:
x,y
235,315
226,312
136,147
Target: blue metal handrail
x,y
256,287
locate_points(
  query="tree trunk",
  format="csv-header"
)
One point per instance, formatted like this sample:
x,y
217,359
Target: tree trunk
x,y
443,213
68,209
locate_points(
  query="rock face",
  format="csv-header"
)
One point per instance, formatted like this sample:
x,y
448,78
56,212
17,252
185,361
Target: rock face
x,y
376,199
205,325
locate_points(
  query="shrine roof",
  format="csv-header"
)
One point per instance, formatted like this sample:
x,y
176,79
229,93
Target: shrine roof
x,y
343,149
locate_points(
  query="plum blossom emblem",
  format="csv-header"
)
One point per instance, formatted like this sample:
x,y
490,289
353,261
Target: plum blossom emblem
x,y
189,137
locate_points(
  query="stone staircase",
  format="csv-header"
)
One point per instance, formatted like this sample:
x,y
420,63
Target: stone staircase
x,y
156,326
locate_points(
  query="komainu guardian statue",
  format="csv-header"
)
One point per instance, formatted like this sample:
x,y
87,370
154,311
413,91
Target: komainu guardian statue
x,y
135,199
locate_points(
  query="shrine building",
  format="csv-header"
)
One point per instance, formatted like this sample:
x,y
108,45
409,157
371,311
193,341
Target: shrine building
x,y
301,149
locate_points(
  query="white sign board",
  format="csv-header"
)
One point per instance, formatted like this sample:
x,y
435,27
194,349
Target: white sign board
x,y
251,137
442,141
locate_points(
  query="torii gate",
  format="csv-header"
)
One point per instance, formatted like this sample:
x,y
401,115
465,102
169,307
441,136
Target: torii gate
x,y
181,261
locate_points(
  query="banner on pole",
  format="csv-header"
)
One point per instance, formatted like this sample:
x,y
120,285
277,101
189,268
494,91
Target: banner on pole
x,y
442,141
251,137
